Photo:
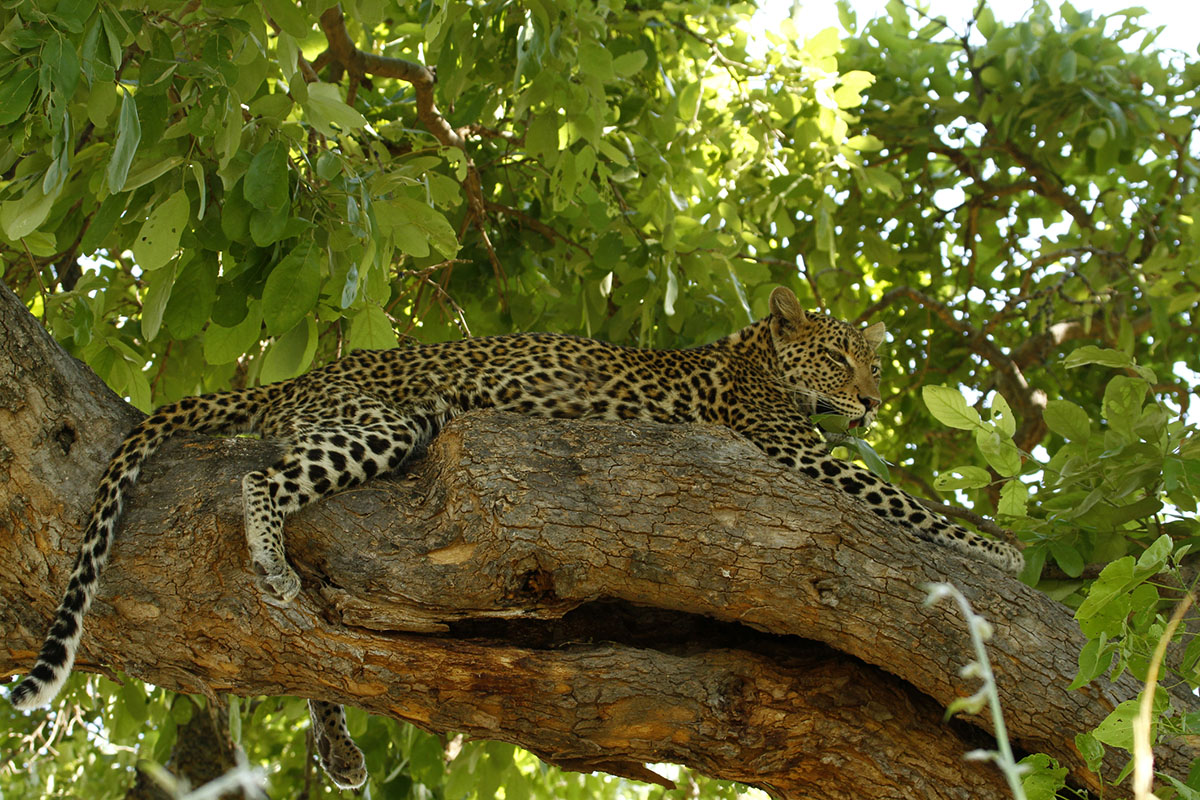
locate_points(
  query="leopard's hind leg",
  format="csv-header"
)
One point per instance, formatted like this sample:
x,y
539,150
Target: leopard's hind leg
x,y
340,757
327,455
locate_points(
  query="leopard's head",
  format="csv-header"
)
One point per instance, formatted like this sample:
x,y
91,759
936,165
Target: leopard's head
x,y
830,365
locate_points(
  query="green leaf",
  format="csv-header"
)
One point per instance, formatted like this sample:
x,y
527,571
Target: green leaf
x,y
826,42
192,296
630,63
426,223
150,170
74,13
1013,497
1091,750
292,289
133,700
235,217
1114,580
350,287
268,227
103,222
201,187
1043,777
999,451
1067,420
867,143
158,292
1185,792
849,93
225,345
884,181
329,166
15,93
1065,68
1002,416
129,136
235,718
595,60
113,26
325,108
991,76
869,457
950,408
1116,729
965,477
291,354
541,137
1122,403
19,218
986,22
1095,659
371,330
1097,137
288,16
127,378
59,54
1154,557
1090,354
266,183
1068,558
158,240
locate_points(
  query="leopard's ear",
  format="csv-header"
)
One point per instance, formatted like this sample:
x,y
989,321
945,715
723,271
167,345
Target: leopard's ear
x,y
785,308
874,335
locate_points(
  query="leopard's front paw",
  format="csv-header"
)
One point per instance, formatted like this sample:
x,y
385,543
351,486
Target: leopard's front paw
x,y
281,586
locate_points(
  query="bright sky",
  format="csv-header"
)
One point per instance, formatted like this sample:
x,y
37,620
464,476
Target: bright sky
x,y
1181,18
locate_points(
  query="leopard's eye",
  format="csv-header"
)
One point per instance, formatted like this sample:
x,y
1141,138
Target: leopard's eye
x,y
836,357
875,371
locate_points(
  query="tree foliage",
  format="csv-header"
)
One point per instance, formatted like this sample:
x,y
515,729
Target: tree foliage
x,y
216,193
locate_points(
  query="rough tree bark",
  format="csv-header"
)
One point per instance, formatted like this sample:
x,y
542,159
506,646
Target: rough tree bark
x,y
605,595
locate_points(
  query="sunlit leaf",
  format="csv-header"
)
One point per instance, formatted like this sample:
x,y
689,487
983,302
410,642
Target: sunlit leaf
x,y
950,408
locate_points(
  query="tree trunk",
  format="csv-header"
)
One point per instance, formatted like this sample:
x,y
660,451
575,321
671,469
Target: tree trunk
x,y
603,594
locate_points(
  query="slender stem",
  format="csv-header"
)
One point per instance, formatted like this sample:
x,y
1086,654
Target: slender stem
x,y
1143,752
979,630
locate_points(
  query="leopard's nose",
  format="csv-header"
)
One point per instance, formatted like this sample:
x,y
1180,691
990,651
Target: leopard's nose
x,y
869,403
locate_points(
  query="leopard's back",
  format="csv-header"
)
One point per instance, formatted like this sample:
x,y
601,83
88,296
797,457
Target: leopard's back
x,y
539,374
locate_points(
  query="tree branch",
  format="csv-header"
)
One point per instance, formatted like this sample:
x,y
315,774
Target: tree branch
x,y
537,225
619,594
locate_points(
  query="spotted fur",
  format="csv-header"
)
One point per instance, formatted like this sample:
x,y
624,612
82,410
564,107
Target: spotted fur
x,y
364,415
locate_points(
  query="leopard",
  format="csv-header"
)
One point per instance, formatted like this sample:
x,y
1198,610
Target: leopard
x,y
369,412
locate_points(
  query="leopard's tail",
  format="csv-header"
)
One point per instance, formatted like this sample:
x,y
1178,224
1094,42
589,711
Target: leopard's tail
x,y
212,413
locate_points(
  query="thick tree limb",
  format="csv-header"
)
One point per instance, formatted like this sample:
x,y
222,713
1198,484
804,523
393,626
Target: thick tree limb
x,y
552,584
